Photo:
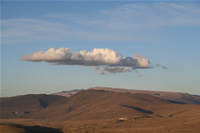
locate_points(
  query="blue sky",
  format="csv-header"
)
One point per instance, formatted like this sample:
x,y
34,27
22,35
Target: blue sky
x,y
166,33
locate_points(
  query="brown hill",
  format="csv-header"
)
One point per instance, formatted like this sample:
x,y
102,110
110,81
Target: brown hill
x,y
21,105
67,93
105,111
89,105
16,128
92,104
98,104
171,96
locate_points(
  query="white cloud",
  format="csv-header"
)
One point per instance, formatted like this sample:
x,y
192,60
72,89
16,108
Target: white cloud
x,y
65,56
138,61
142,61
112,61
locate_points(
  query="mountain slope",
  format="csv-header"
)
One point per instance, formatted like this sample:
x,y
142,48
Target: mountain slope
x,y
92,105
67,93
103,111
97,104
171,96
26,104
101,104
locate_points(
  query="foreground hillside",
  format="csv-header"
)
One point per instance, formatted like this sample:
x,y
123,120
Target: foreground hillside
x,y
100,111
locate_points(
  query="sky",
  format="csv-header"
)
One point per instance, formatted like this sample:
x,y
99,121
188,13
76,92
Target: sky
x,y
49,46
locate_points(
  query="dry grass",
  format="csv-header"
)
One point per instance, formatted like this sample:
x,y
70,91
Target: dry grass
x,y
11,129
187,121
99,112
17,128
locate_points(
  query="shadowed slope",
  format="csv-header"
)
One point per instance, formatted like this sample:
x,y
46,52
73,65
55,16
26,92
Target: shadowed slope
x,y
95,104
139,109
17,107
29,101
104,111
16,128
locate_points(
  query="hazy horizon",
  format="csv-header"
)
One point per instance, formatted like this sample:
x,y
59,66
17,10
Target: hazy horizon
x,y
48,46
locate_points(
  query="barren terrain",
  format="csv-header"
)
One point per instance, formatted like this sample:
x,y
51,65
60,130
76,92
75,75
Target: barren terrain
x,y
98,111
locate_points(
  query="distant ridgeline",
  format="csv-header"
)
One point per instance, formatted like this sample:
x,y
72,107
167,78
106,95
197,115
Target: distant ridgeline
x,y
88,104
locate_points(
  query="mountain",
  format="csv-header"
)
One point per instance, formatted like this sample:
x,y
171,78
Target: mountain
x,y
178,97
98,111
86,105
18,106
67,93
98,104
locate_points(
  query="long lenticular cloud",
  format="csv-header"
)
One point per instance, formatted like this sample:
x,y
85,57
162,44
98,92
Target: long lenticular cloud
x,y
112,61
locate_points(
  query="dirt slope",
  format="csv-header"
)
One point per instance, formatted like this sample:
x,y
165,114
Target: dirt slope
x,y
19,106
173,96
101,111
90,105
